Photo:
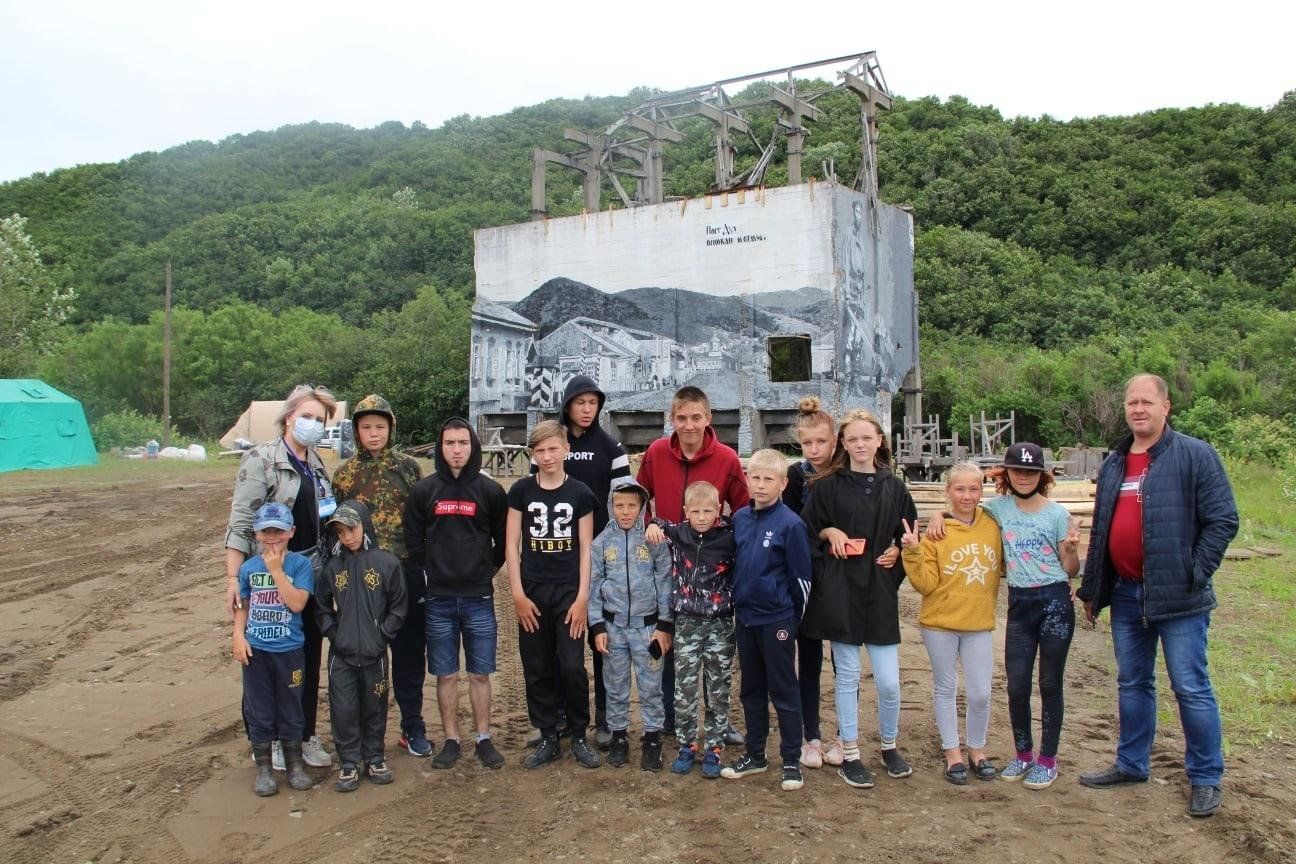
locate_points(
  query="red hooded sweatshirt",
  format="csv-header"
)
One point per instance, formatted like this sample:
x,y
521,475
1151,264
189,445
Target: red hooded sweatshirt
x,y
665,473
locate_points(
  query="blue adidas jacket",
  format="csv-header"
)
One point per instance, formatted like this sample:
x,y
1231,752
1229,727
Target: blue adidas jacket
x,y
1189,517
772,564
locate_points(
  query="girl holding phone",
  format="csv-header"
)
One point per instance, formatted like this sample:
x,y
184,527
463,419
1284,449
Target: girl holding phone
x,y
855,512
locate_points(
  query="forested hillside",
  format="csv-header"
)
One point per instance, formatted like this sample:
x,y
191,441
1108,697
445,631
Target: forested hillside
x,y
1052,259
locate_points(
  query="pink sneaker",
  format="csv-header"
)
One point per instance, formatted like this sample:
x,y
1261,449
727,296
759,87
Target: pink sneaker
x,y
834,755
812,754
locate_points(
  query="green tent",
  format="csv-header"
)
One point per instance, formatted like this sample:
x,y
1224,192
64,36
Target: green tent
x,y
41,427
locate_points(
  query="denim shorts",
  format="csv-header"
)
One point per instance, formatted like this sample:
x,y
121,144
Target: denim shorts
x,y
449,618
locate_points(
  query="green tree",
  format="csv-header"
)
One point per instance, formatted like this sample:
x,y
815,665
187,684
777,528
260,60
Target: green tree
x,y
32,306
417,359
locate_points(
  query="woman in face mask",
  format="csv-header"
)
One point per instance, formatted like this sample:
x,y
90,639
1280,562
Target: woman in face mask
x,y
288,470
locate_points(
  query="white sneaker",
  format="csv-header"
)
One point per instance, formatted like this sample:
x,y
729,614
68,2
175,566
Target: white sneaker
x,y
314,754
834,755
276,756
812,754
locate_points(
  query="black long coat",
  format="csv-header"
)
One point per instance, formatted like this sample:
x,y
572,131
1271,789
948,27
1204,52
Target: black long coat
x,y
853,600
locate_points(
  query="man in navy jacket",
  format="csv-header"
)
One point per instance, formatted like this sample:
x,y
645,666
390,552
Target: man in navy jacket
x,y
1163,516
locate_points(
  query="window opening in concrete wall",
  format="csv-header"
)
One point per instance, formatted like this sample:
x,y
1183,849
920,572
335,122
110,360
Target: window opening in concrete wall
x,y
789,358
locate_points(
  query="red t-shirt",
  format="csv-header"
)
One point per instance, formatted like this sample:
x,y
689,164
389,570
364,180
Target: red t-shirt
x,y
1125,543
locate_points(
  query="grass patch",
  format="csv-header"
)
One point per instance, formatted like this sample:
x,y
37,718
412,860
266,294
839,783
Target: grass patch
x,y
1253,633
114,469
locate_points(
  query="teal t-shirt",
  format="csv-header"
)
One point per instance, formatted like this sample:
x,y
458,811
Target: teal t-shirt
x,y
272,626
1030,541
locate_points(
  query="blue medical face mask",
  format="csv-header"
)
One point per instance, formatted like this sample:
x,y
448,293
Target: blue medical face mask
x,y
308,432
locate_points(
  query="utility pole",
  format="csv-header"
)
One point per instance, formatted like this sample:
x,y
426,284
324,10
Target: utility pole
x,y
166,360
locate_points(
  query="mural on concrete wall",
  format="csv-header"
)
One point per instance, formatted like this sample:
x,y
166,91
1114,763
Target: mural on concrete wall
x,y
648,300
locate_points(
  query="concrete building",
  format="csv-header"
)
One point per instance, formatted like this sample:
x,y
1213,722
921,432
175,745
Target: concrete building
x,y
710,287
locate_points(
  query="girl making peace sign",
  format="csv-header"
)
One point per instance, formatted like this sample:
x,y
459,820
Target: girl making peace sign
x,y
1041,554
958,578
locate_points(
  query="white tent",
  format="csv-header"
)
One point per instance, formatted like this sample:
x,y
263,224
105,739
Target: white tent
x,y
257,422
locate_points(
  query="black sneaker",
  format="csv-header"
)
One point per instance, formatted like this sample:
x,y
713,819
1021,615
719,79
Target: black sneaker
x,y
792,779
855,774
487,755
896,766
378,773
545,752
585,754
650,757
618,750
746,764
448,756
348,779
1106,778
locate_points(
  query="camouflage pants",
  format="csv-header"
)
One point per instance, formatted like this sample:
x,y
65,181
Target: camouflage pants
x,y
627,648
704,652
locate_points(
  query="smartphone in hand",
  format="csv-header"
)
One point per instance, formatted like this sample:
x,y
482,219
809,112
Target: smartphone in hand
x,y
855,547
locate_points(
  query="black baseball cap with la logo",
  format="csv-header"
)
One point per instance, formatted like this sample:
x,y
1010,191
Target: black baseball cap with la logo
x,y
1025,456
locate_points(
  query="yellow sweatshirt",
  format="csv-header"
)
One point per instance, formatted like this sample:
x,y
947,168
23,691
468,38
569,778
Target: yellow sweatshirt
x,y
958,577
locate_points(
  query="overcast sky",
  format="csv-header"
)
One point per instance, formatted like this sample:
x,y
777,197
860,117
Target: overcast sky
x,y
97,82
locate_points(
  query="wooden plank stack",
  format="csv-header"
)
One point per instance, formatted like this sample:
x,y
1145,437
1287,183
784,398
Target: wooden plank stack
x,y
1077,496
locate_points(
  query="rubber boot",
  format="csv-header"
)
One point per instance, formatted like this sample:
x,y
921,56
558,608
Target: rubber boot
x,y
265,784
297,776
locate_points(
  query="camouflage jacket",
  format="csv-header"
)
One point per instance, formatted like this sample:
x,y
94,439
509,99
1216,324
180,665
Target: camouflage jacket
x,y
266,473
382,483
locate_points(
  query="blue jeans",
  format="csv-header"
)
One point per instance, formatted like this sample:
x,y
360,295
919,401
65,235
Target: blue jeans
x,y
885,660
1184,642
448,618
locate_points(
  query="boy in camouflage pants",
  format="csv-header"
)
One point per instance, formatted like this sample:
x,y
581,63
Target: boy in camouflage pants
x,y
702,556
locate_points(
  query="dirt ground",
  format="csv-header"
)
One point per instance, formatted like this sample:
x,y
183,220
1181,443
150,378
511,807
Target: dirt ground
x,y
120,740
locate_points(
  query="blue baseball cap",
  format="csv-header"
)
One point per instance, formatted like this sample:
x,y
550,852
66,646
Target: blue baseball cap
x,y
272,515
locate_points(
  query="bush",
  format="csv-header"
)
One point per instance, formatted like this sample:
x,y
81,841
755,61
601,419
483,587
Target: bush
x,y
1288,481
1257,438
130,428
1207,419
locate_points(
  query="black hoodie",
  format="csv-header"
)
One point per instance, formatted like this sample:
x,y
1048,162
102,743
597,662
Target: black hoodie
x,y
360,597
596,458
454,526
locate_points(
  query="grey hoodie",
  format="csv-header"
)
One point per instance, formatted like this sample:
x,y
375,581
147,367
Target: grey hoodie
x,y
631,580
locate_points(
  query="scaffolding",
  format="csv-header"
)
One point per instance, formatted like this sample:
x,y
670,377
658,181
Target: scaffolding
x,y
630,149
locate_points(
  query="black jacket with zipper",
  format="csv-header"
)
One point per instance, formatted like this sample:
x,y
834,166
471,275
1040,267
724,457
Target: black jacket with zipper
x,y
360,598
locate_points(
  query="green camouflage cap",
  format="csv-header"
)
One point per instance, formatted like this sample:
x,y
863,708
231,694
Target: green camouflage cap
x,y
346,514
374,404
